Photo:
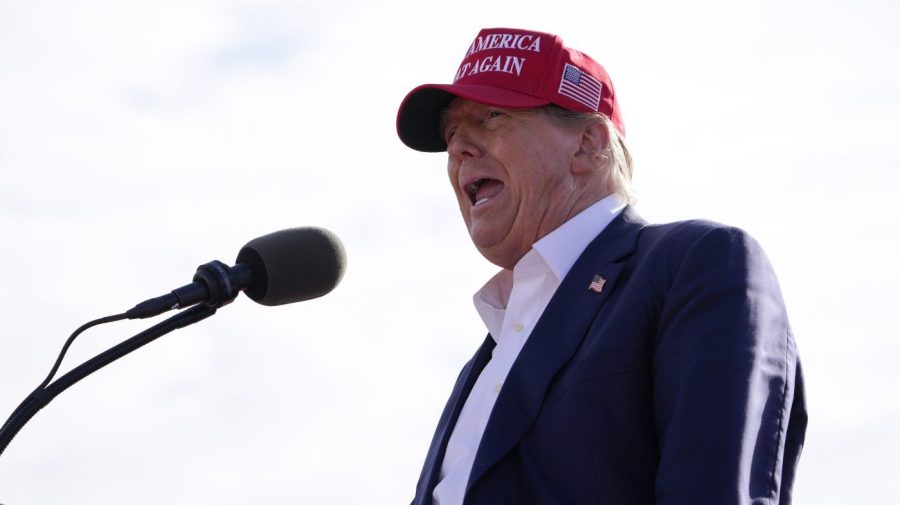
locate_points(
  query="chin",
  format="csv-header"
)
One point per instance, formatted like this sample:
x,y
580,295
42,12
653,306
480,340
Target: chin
x,y
498,258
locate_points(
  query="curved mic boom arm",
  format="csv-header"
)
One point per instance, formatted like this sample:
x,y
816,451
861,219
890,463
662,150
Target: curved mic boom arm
x,y
43,395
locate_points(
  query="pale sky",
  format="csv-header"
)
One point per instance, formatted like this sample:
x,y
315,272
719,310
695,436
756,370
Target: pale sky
x,y
141,139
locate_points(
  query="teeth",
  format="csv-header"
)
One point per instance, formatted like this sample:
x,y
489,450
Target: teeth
x,y
479,202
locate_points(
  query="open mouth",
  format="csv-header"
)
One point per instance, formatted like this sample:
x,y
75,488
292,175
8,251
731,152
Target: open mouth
x,y
483,190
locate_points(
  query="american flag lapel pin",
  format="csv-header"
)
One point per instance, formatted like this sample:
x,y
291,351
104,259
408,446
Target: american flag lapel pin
x,y
597,284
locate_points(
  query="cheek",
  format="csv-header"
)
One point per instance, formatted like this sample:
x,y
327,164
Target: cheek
x,y
453,177
461,200
528,181
452,170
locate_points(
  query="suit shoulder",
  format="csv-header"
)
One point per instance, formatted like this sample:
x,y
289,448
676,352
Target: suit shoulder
x,y
699,237
693,227
693,230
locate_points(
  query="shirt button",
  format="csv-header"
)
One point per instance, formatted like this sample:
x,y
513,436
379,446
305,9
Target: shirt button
x,y
498,387
518,326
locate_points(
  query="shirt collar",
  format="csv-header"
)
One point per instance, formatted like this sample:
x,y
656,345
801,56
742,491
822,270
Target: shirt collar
x,y
562,247
558,251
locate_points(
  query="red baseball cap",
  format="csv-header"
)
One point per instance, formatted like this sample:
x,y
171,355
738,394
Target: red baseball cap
x,y
519,69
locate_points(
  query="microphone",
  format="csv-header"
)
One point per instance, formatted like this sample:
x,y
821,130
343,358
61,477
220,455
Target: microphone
x,y
286,266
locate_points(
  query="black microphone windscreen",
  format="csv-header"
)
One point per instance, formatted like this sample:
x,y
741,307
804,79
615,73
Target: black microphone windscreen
x,y
293,265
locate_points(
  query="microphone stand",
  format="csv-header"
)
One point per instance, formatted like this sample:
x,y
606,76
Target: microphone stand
x,y
41,396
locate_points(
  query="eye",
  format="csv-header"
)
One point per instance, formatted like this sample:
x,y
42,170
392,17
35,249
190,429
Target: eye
x,y
448,134
492,118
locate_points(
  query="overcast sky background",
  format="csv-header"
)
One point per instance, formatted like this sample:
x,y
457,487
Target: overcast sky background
x,y
141,139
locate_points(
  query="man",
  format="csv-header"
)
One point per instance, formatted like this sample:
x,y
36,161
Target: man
x,y
626,363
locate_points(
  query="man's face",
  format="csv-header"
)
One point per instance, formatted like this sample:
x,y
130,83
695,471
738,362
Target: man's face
x,y
512,174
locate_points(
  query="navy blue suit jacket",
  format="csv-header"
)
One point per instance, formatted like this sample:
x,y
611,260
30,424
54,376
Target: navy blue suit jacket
x,y
679,383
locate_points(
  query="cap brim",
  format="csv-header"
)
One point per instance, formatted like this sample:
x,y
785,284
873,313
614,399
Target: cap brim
x,y
420,112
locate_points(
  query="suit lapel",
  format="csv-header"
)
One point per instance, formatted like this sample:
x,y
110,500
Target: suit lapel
x,y
554,340
431,470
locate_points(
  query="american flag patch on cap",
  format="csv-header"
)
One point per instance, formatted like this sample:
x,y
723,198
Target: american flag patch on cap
x,y
580,86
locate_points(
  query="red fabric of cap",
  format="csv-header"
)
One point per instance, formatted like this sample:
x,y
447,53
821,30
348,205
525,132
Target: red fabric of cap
x,y
510,68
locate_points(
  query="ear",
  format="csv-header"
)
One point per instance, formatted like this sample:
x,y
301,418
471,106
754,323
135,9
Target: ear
x,y
592,147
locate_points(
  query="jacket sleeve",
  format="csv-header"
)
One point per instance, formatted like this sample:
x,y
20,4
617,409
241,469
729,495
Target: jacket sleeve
x,y
725,376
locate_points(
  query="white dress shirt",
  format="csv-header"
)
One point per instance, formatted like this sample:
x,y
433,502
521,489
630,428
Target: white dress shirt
x,y
510,305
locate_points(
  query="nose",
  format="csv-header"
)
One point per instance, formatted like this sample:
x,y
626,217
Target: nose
x,y
462,146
